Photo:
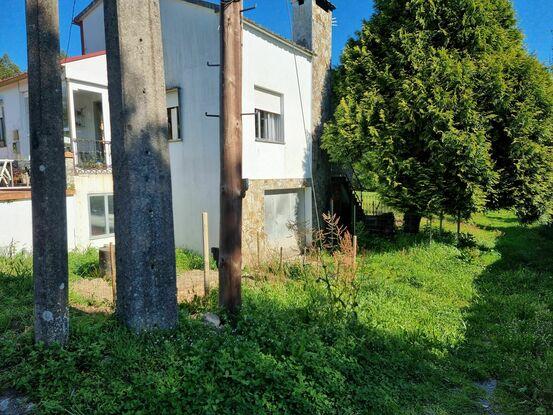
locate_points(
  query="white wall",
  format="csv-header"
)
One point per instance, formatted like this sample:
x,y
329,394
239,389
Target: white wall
x,y
91,70
269,64
16,118
86,185
95,40
190,40
16,224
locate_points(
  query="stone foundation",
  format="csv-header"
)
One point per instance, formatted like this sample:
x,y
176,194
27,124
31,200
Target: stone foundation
x,y
253,228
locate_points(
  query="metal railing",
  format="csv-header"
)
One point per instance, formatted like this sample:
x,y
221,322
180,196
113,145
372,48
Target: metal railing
x,y
91,155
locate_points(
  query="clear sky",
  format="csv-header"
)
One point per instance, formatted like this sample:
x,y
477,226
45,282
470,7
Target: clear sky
x,y
535,20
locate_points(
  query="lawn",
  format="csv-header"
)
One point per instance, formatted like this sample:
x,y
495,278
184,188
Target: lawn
x,y
433,319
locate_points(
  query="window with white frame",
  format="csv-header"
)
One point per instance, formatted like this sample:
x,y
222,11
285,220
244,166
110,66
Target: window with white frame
x,y
102,223
2,126
269,123
173,114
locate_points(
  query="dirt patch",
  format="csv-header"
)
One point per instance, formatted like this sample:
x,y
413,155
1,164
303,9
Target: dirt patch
x,y
95,295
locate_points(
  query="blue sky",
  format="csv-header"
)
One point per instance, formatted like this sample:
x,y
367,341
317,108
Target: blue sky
x,y
535,19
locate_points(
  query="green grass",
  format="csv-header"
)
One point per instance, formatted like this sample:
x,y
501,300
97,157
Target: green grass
x,y
188,260
433,319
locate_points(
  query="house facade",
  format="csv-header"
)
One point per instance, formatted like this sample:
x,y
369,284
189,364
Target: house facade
x,y
278,100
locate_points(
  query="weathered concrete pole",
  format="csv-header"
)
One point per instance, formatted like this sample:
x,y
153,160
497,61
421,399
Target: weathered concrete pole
x,y
145,254
47,173
230,256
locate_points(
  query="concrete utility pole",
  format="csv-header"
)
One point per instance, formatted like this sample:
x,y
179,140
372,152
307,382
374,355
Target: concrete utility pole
x,y
48,173
144,233
230,255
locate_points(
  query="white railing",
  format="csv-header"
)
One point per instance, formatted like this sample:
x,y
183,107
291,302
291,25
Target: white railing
x,y
6,173
13,176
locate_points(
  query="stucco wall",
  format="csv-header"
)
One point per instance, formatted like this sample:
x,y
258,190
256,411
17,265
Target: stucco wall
x,y
313,29
95,40
17,225
191,38
92,70
269,64
85,185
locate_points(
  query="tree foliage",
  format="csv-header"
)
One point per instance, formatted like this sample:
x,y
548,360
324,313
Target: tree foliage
x,y
439,100
7,67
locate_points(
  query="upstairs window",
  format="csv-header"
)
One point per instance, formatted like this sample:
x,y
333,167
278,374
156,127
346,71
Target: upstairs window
x,y
269,123
173,114
2,127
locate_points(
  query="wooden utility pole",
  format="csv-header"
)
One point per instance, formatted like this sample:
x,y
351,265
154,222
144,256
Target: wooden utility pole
x,y
230,256
48,173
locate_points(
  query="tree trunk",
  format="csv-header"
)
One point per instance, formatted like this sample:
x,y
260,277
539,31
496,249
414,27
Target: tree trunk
x,y
411,223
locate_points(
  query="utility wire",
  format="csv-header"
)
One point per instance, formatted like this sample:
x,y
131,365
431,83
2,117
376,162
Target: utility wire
x,y
308,137
70,27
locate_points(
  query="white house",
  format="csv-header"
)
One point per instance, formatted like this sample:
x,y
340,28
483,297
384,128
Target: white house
x,y
278,91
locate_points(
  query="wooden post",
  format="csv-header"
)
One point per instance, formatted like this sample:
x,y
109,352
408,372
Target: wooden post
x,y
258,250
205,225
458,226
230,260
113,271
354,251
48,172
431,222
354,219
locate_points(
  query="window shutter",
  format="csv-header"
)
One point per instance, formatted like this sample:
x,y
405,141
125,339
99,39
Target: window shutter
x,y
172,97
268,101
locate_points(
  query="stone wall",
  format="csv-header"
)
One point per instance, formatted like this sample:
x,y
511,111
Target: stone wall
x,y
70,170
254,216
313,30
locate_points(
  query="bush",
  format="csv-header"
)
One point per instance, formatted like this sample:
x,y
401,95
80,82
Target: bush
x,y
84,264
188,260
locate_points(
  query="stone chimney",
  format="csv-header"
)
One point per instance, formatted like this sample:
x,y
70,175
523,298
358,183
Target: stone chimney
x,y
312,29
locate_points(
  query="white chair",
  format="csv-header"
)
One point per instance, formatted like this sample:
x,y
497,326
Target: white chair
x,y
6,173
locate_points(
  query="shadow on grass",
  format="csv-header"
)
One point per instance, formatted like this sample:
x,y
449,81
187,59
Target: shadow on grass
x,y
510,325
289,356
283,358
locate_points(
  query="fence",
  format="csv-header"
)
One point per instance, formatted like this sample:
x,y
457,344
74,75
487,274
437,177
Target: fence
x,y
372,204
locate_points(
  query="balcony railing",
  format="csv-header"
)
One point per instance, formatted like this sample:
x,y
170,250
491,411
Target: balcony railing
x,y
92,156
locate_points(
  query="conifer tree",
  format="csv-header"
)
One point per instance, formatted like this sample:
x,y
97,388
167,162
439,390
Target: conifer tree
x,y
419,93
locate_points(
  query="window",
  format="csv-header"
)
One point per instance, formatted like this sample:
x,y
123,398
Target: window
x,y
269,126
173,114
2,127
285,219
101,216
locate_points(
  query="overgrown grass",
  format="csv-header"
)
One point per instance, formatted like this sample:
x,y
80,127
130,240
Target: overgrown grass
x,y
84,263
188,260
432,320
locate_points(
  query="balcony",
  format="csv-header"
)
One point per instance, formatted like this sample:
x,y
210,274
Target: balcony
x,y
91,156
88,129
